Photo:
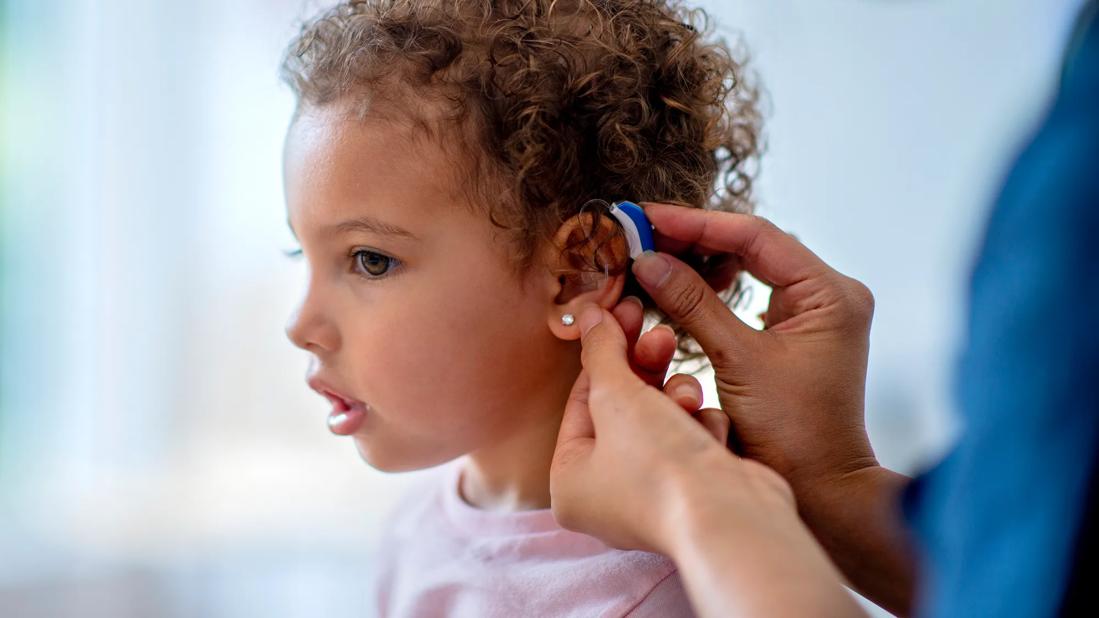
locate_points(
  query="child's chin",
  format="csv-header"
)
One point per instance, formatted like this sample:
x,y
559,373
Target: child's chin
x,y
384,461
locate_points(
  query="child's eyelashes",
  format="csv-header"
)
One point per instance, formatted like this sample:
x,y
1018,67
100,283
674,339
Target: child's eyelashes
x,y
373,265
366,263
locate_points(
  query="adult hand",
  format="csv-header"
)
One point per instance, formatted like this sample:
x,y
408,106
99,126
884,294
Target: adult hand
x,y
650,354
794,391
645,446
632,469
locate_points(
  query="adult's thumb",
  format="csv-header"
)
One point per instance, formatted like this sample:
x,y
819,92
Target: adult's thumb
x,y
685,297
604,349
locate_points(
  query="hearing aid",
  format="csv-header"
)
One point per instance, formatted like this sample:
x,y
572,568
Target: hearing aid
x,y
635,225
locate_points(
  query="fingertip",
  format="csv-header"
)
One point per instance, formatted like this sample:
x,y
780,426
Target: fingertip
x,y
688,397
687,400
690,391
665,328
685,390
630,316
656,348
589,318
664,336
657,208
652,269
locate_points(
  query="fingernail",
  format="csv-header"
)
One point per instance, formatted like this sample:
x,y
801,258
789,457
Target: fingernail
x,y
589,317
665,327
686,391
652,269
635,300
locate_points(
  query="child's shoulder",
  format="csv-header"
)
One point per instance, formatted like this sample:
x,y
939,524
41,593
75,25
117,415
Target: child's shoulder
x,y
442,552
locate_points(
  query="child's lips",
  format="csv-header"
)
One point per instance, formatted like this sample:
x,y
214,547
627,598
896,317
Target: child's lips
x,y
347,415
346,422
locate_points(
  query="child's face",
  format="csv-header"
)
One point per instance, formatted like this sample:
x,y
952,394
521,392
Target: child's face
x,y
430,327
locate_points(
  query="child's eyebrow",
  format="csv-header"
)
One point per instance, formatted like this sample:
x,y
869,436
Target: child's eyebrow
x,y
372,225
362,224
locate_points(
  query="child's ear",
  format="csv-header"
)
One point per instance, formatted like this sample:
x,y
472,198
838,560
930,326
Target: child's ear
x,y
589,261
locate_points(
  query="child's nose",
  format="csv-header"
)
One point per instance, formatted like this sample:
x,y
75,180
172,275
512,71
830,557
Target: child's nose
x,y
308,331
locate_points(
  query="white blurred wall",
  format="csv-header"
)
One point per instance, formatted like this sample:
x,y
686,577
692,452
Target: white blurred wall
x,y
159,451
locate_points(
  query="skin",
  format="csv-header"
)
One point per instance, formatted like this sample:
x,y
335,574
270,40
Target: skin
x,y
452,352
741,550
448,298
794,396
795,391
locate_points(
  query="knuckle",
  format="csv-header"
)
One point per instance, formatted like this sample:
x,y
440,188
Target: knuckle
x,y
861,298
767,226
722,359
606,389
689,302
760,221
600,398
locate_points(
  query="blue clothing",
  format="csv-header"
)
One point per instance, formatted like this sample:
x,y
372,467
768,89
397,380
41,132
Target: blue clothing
x,y
997,521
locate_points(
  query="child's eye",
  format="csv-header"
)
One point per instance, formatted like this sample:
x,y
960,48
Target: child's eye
x,y
373,265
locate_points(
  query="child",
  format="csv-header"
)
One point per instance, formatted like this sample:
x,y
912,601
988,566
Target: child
x,y
440,174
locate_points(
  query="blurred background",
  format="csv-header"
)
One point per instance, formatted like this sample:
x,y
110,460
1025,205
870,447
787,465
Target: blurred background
x,y
160,454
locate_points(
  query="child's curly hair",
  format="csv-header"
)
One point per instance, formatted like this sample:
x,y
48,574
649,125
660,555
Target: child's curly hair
x,y
560,102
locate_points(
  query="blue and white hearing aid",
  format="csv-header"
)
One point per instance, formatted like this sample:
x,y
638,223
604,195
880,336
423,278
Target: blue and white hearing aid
x,y
638,230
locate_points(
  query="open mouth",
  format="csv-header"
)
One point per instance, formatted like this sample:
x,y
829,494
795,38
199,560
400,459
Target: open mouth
x,y
338,403
347,415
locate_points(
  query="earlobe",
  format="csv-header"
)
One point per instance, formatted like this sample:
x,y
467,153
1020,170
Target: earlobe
x,y
566,329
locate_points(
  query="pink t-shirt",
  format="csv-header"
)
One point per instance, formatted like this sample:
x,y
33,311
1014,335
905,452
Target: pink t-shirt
x,y
443,557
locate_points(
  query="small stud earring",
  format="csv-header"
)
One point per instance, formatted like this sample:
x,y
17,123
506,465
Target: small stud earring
x,y
568,319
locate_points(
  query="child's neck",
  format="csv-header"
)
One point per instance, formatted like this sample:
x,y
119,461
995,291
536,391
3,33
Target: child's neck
x,y
513,473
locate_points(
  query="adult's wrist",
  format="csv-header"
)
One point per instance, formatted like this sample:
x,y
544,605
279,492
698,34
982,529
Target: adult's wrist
x,y
689,490
826,463
720,491
856,516
840,495
741,548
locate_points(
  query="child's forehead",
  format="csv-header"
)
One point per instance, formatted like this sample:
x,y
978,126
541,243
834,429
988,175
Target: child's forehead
x,y
329,135
342,161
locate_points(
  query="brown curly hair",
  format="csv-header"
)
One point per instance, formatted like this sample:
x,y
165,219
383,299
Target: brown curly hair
x,y
560,102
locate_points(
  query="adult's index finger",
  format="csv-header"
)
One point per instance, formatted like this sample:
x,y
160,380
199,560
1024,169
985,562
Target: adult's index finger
x,y
765,251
